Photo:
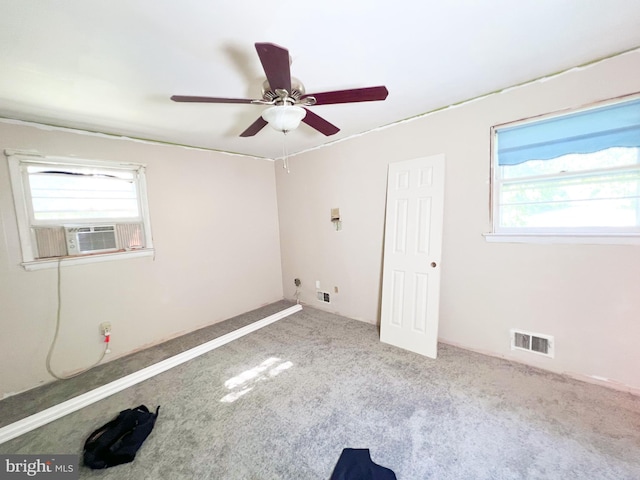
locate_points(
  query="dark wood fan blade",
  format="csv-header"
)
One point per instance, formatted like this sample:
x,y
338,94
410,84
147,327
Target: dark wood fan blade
x,y
319,123
275,62
368,94
186,98
254,128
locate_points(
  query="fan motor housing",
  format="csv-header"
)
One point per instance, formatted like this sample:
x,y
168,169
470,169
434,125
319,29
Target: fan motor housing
x,y
297,91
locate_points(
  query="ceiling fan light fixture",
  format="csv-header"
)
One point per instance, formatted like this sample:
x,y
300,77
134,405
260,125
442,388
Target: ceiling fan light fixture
x,y
284,118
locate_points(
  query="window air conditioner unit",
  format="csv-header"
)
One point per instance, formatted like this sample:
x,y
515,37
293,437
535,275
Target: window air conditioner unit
x,y
84,239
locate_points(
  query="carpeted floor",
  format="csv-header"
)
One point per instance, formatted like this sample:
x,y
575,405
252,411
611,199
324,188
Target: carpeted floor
x,y
282,403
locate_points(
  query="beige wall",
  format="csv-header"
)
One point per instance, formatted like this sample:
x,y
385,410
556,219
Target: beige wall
x,y
587,296
215,231
215,224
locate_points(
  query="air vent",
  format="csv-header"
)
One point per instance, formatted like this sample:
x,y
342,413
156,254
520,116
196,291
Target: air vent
x,y
90,239
323,297
532,342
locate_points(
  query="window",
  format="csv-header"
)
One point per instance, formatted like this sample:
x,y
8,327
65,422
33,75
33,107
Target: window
x,y
576,174
78,210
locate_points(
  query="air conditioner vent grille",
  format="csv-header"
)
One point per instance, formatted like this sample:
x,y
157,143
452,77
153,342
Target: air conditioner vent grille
x,y
522,340
90,239
540,345
98,240
532,342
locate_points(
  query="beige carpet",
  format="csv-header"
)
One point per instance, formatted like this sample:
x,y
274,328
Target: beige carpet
x,y
282,403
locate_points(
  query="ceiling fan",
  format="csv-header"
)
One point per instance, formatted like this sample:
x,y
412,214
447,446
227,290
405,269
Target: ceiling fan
x,y
287,98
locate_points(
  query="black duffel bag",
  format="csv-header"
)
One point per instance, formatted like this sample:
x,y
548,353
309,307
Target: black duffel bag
x,y
118,441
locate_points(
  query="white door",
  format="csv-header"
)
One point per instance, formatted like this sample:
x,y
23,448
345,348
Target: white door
x,y
412,251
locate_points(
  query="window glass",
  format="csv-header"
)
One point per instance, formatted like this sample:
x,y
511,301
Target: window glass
x,y
572,173
59,193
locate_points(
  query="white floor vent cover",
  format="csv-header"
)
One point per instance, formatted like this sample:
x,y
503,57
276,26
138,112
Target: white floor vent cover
x,y
532,342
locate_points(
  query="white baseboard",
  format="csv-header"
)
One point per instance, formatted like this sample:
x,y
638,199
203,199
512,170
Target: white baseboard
x,y
53,413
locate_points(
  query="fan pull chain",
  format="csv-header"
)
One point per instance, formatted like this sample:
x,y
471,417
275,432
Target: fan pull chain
x,y
285,155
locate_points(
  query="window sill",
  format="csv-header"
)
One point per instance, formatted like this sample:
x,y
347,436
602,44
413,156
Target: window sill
x,y
573,238
80,260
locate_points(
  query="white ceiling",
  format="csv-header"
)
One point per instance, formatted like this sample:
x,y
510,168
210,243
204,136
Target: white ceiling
x,y
112,66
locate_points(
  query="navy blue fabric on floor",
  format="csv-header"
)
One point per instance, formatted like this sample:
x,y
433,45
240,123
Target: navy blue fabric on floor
x,y
356,464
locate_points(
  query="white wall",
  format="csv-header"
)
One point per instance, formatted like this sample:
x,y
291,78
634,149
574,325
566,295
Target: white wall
x,y
215,231
587,296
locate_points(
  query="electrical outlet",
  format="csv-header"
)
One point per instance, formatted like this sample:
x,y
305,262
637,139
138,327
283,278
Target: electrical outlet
x,y
105,328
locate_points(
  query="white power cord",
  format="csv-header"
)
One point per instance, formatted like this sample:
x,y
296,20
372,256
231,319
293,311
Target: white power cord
x,y
55,339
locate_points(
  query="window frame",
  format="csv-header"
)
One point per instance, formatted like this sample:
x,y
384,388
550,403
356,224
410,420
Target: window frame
x,y
18,176
586,235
